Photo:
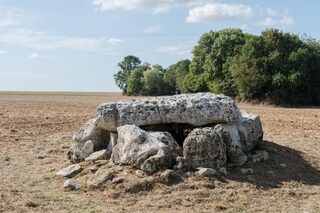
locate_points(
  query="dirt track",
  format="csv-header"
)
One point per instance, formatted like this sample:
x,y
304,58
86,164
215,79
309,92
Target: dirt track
x,y
35,132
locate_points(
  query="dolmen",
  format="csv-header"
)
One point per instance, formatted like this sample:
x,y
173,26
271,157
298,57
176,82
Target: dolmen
x,y
182,132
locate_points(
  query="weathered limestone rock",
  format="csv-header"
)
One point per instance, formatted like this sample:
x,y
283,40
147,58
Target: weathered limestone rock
x,y
170,177
140,149
194,109
203,148
240,137
99,155
71,184
70,171
228,135
113,141
206,172
250,131
166,138
79,151
99,179
91,131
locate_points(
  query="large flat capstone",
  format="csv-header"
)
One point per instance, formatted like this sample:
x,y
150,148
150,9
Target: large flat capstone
x,y
192,109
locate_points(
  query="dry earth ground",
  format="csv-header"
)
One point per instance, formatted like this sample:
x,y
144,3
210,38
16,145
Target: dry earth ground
x,y
36,130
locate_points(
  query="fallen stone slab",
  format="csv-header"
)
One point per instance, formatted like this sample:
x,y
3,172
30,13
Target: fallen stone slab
x,y
206,172
99,155
70,171
193,109
98,180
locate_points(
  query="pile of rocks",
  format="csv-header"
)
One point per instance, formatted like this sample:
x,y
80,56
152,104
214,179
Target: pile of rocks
x,y
181,132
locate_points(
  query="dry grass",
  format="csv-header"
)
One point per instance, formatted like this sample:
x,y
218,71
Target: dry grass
x,y
35,132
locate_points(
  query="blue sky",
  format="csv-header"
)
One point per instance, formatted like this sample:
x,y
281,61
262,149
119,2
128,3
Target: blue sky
x,y
75,45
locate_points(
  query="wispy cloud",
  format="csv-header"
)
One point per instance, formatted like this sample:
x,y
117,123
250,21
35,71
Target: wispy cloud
x,y
37,56
276,18
174,49
3,52
153,29
114,41
42,40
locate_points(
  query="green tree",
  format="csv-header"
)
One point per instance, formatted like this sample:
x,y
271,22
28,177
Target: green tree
x,y
208,65
126,66
135,81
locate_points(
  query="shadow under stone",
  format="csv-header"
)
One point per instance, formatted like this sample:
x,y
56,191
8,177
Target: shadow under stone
x,y
272,173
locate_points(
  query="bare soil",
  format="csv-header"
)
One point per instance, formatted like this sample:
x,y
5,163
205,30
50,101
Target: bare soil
x,y
36,131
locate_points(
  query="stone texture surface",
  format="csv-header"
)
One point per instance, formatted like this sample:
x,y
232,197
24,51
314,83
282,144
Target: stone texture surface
x,y
168,139
206,172
140,149
71,184
70,171
203,148
91,131
194,109
99,155
79,151
99,179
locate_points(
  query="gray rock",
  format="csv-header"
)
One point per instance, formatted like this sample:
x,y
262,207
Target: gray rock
x,y
140,149
90,131
240,137
98,180
283,165
170,177
79,151
206,172
250,131
166,138
223,171
228,135
117,180
246,171
70,171
164,159
71,184
113,141
203,148
260,156
193,109
99,155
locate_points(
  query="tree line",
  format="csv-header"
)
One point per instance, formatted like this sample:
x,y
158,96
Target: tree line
x,y
277,67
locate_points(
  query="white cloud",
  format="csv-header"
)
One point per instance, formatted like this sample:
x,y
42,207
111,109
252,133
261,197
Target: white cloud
x,y
42,40
11,17
156,6
219,12
2,52
114,41
152,29
271,11
174,49
36,56
285,21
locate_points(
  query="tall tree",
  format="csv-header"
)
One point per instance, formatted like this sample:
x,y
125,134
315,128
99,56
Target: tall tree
x,y
126,66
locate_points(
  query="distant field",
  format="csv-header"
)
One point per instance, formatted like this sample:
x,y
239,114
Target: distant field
x,y
32,93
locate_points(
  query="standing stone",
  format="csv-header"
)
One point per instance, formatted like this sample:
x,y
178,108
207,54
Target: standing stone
x,y
78,152
113,141
140,149
166,138
91,131
203,148
193,109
